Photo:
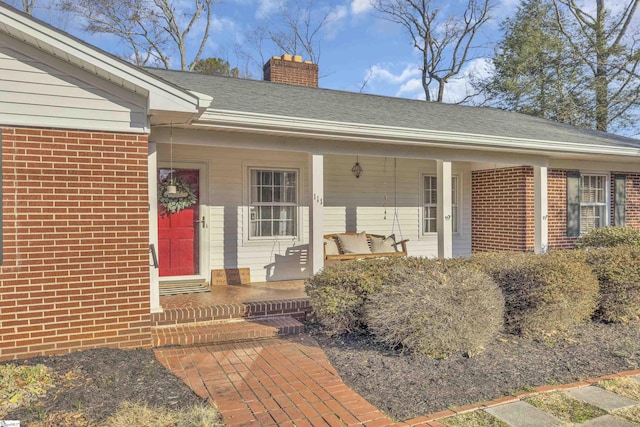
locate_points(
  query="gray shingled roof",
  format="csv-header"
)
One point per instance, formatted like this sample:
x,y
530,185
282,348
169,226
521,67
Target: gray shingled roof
x,y
256,96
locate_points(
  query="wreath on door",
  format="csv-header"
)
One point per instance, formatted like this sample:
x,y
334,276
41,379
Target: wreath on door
x,y
183,198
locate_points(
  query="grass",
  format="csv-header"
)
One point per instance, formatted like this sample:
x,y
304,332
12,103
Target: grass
x,y
626,387
565,407
22,386
632,414
19,385
133,414
474,419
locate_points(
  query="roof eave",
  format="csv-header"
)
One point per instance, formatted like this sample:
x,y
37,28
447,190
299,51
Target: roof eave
x,y
312,128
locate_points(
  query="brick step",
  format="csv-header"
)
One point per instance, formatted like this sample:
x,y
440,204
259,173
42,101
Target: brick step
x,y
297,308
219,332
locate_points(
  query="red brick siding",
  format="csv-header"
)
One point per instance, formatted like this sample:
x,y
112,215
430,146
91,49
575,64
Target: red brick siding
x,y
76,265
291,72
502,209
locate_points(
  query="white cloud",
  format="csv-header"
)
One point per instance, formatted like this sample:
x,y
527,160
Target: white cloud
x,y
411,89
268,7
335,20
383,74
361,6
219,25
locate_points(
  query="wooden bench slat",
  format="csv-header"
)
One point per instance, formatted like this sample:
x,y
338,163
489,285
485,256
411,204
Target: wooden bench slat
x,y
344,257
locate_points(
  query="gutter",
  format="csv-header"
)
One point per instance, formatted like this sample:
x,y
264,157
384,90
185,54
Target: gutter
x,y
320,129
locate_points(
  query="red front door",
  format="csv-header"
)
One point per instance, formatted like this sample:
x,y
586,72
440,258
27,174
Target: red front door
x,y
178,233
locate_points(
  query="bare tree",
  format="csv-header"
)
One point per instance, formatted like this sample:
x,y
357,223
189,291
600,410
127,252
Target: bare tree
x,y
151,30
297,30
26,5
445,41
606,43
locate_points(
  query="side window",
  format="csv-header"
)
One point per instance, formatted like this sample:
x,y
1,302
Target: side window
x,y
586,202
273,203
430,201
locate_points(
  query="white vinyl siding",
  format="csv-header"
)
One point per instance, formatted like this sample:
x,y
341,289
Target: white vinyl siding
x,y
593,202
387,199
40,90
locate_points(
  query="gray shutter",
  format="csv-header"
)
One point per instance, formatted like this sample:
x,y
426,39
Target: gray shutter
x,y
573,203
1,220
619,200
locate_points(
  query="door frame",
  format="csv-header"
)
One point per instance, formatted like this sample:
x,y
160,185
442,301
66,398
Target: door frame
x,y
203,235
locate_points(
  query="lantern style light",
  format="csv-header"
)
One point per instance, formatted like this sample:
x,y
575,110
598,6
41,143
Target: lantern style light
x,y
357,170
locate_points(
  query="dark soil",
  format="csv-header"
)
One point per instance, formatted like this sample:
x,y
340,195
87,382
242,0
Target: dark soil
x,y
96,382
405,385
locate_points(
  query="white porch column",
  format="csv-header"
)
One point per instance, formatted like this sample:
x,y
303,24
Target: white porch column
x,y
154,277
316,214
541,224
444,217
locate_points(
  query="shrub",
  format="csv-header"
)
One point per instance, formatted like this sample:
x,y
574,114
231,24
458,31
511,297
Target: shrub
x,y
543,293
607,237
436,308
618,271
337,293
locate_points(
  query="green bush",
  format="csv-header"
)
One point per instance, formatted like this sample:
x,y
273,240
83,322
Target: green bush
x,y
543,294
618,271
436,308
337,293
607,237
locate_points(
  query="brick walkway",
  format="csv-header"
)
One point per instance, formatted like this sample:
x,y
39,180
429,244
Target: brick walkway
x,y
278,382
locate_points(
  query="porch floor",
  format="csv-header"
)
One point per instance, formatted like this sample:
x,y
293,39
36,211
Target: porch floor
x,y
237,294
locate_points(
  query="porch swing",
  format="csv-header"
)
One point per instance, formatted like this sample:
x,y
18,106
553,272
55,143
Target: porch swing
x,y
347,246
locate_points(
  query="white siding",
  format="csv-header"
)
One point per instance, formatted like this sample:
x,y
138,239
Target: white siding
x,y
229,246
350,205
40,90
387,199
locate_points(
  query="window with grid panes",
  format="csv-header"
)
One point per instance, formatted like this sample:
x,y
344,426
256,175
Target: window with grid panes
x,y
593,202
430,199
273,204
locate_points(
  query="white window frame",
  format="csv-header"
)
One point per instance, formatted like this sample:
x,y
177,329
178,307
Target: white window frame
x,y
456,203
606,205
297,205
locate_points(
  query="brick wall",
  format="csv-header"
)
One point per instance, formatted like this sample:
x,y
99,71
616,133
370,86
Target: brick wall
x,y
76,264
291,70
502,209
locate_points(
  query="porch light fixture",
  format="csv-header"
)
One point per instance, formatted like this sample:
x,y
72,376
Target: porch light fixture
x,y
357,170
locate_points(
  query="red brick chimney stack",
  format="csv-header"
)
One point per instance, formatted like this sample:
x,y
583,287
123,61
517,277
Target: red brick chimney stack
x,y
291,70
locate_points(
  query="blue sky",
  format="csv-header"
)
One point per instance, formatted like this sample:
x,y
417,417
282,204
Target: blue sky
x,y
357,45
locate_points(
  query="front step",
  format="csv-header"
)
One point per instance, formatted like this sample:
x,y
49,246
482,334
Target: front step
x,y
216,332
297,308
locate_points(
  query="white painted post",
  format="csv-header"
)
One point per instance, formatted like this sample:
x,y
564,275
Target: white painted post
x,y
541,223
445,215
316,230
154,277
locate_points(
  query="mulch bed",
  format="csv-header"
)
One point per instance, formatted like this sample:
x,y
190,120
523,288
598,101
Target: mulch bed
x,y
406,386
96,382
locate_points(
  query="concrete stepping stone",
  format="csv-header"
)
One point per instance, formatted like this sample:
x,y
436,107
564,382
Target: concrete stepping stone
x,y
608,421
521,414
601,398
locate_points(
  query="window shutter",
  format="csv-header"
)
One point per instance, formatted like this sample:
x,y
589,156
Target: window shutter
x,y
619,200
573,203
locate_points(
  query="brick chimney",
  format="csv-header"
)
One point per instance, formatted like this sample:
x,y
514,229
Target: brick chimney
x,y
291,70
